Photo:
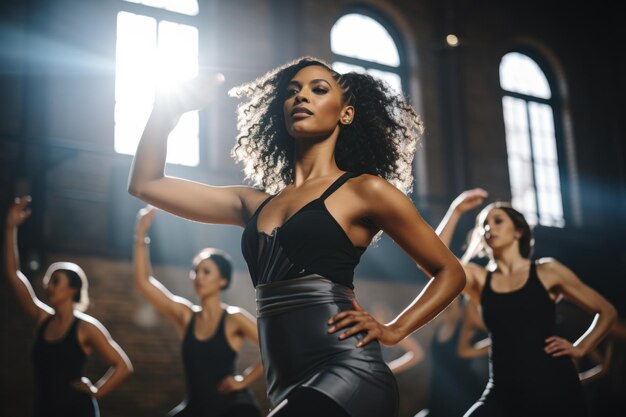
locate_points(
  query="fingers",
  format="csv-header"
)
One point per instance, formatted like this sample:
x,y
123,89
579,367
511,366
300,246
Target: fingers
x,y
557,346
147,211
19,211
145,217
478,192
357,322
228,384
23,201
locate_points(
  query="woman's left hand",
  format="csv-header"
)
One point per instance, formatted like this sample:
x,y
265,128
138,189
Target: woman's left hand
x,y
557,346
231,383
84,385
359,320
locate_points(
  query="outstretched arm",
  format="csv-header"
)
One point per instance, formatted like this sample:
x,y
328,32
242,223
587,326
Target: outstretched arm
x,y
466,201
188,199
23,291
174,308
94,336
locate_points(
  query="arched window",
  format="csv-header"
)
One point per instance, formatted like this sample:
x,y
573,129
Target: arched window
x,y
157,45
529,117
361,43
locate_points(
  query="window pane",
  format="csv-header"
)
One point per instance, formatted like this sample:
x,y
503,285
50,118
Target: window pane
x,y
359,36
520,74
178,53
519,157
542,128
188,7
342,68
135,57
183,140
516,128
531,142
390,78
148,55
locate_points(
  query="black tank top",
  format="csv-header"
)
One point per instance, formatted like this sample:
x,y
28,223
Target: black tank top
x,y
311,239
526,378
206,363
57,363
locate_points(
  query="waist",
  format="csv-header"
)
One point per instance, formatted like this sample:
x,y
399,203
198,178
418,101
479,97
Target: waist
x,y
296,293
294,340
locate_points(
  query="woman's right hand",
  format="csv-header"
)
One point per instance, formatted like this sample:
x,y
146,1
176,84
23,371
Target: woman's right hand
x,y
18,212
190,95
144,220
85,385
469,200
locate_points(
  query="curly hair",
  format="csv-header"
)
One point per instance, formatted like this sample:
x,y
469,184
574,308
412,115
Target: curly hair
x,y
381,140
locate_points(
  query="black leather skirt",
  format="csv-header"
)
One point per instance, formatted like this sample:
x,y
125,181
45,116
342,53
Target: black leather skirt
x,y
297,350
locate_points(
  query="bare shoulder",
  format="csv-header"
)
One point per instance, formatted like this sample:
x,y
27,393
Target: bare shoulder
x,y
90,325
239,314
372,185
546,261
476,276
549,266
555,276
476,271
377,196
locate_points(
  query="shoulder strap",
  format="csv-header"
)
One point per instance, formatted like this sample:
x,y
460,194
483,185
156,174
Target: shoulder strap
x,y
267,200
533,271
44,325
190,325
74,325
220,326
487,281
336,184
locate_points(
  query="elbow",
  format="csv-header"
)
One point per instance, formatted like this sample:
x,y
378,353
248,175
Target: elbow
x,y
460,279
133,188
136,183
127,368
611,315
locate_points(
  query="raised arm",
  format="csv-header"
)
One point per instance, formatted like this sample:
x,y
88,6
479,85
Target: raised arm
x,y
176,309
94,336
466,201
560,279
188,199
18,212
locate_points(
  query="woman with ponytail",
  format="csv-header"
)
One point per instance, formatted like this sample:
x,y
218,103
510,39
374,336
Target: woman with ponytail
x,y
329,157
532,370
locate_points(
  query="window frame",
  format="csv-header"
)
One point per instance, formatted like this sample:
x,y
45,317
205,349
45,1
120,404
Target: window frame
x,y
199,22
387,23
555,103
